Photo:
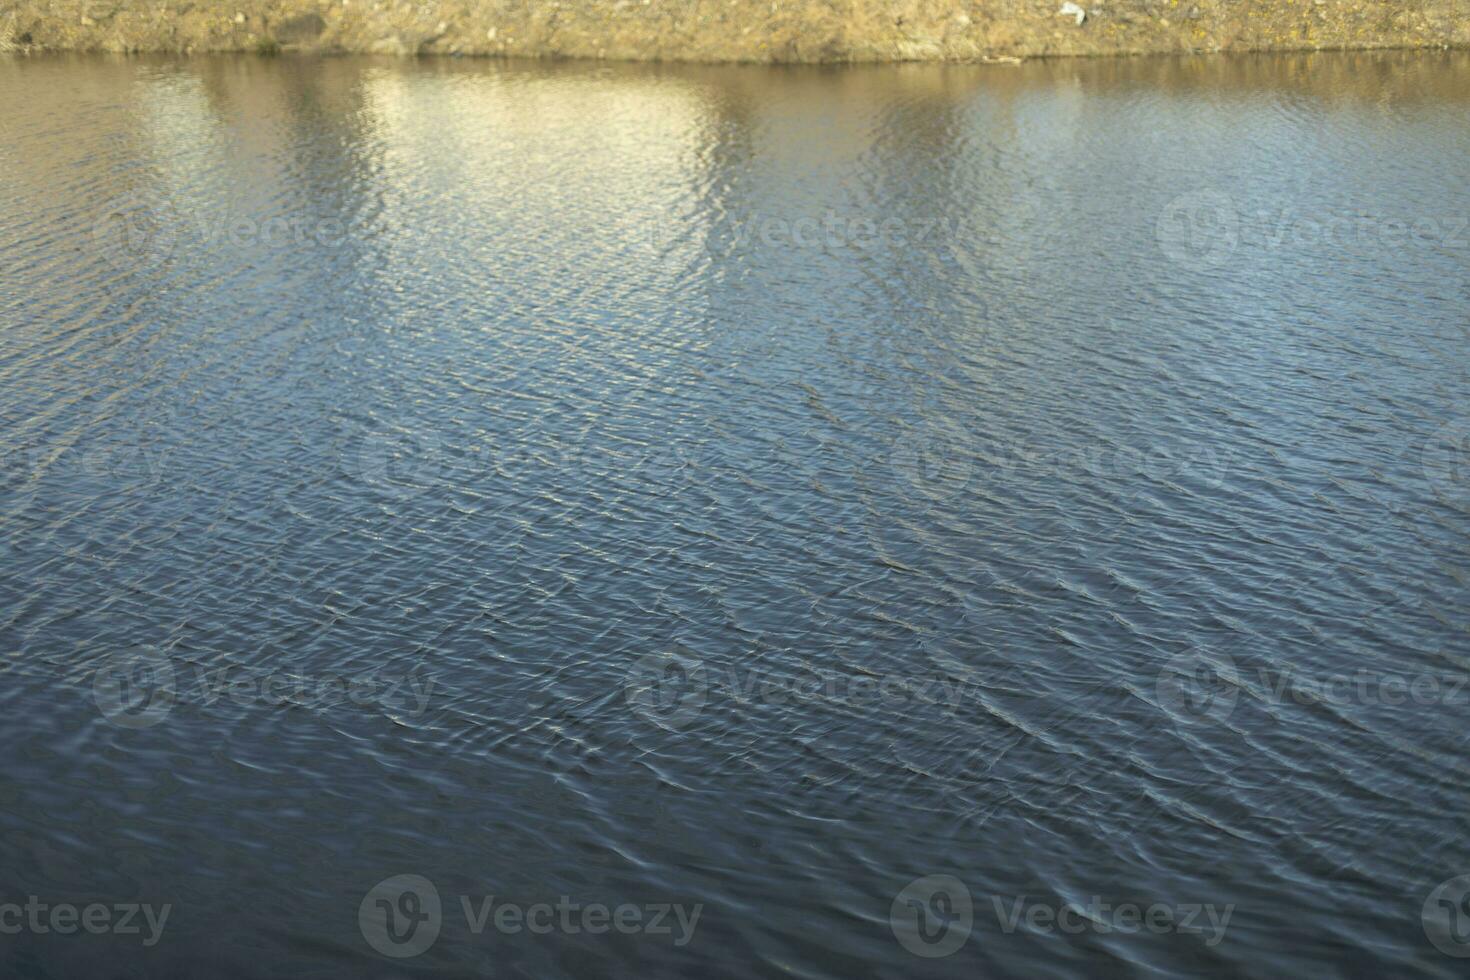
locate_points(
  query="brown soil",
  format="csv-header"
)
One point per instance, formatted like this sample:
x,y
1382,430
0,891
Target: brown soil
x,y
733,30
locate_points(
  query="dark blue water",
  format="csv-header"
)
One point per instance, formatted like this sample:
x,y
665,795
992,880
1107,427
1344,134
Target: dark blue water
x,y
971,521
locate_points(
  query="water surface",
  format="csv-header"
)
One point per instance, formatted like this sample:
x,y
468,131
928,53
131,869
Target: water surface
x,y
740,487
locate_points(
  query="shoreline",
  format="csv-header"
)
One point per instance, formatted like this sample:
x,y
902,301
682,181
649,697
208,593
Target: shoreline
x,y
733,31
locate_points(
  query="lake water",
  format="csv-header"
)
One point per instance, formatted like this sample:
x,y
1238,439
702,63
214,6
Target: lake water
x,y
462,517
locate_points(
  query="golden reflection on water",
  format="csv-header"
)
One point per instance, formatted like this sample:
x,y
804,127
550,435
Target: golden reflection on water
x,y
631,141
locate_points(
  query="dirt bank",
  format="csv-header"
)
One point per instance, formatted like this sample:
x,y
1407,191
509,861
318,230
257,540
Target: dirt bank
x,y
733,30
